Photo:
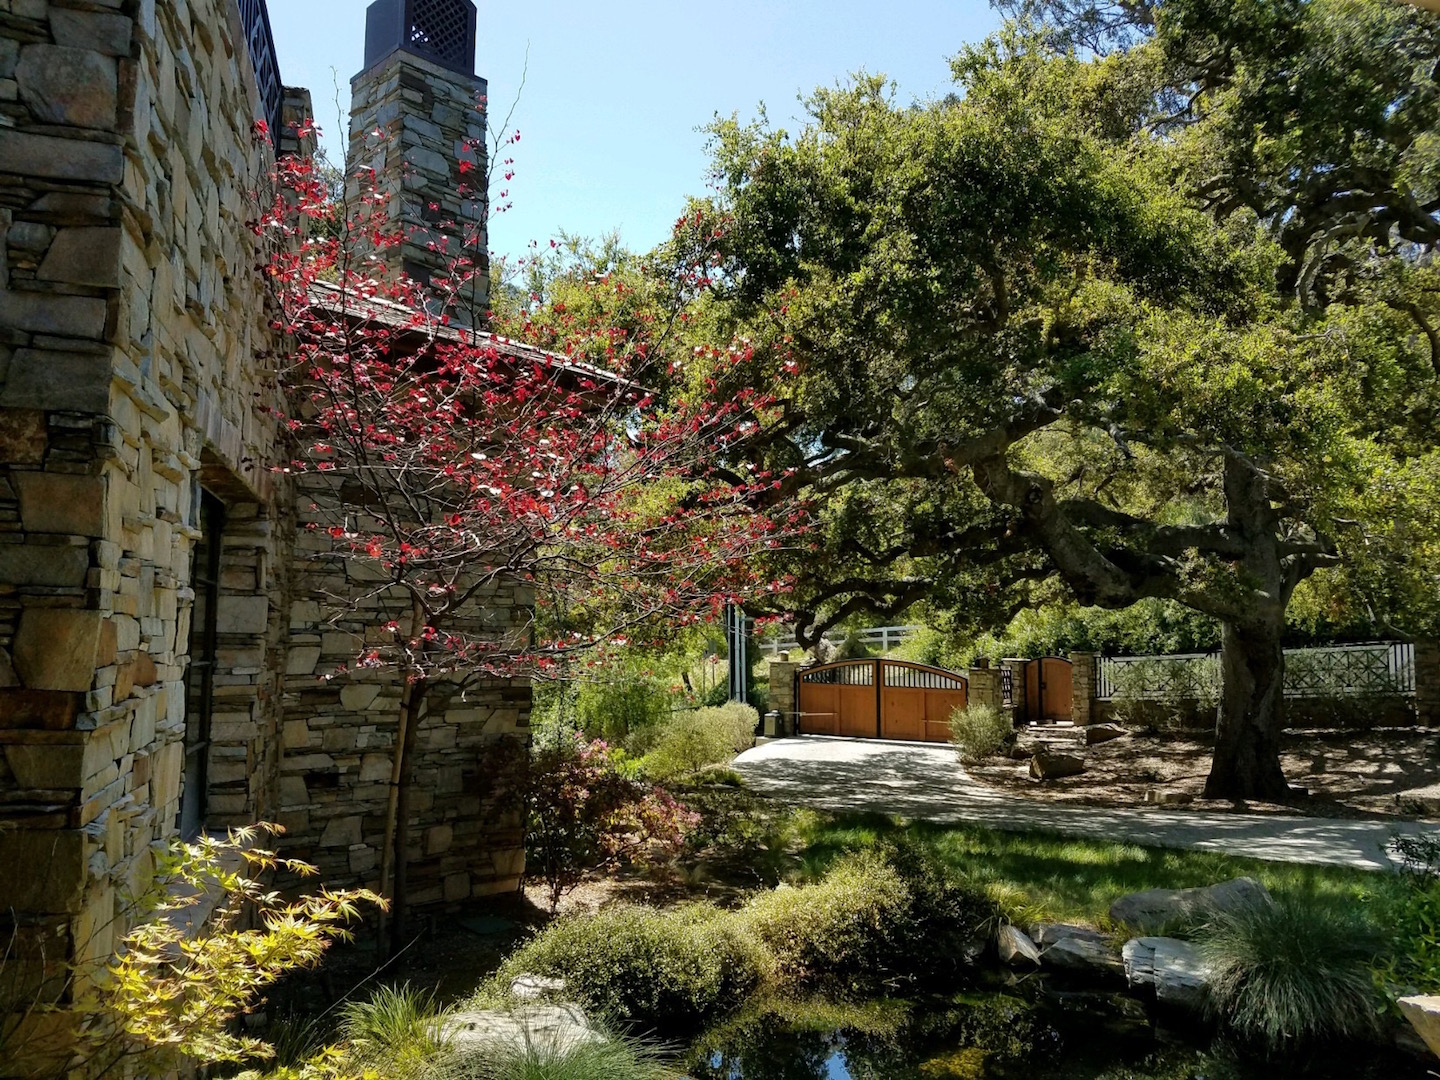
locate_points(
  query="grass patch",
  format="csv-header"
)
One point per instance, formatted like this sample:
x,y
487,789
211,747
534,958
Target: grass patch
x,y
1043,877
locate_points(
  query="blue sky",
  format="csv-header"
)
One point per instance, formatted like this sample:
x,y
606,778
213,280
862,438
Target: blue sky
x,y
615,92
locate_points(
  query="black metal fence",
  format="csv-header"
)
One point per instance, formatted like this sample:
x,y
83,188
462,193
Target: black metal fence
x,y
260,42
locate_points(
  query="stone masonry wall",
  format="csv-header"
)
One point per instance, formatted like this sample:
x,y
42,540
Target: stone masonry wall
x,y
132,358
466,832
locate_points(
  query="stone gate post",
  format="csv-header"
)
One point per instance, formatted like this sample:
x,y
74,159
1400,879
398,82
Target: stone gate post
x,y
984,684
782,693
1427,682
1082,688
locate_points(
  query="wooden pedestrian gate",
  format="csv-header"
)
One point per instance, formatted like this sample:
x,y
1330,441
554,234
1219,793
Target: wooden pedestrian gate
x,y
884,699
1047,690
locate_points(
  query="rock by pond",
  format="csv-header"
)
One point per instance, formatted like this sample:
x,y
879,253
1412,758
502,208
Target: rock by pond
x,y
1155,910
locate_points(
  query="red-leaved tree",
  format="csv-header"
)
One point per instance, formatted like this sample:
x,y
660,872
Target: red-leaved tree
x,y
495,508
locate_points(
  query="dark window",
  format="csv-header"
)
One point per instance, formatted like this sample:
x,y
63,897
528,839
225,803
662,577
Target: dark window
x,y
200,675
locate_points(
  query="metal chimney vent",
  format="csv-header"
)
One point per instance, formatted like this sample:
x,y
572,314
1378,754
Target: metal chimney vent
x,y
442,31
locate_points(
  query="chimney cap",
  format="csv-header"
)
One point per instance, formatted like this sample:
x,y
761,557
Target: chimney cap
x,y
441,31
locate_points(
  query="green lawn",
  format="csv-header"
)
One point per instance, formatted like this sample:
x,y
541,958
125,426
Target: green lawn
x,y
1039,876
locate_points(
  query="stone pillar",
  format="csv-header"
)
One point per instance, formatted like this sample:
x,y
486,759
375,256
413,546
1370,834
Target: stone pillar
x,y
984,686
782,693
1427,682
1016,667
1082,688
417,118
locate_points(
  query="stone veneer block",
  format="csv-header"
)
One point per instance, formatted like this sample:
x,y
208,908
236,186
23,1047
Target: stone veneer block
x,y
56,158
46,379
22,436
55,648
87,255
96,31
52,870
61,503
68,86
242,614
52,313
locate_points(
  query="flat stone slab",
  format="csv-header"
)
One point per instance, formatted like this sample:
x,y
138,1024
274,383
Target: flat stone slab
x,y
544,1025
927,783
1015,948
1155,909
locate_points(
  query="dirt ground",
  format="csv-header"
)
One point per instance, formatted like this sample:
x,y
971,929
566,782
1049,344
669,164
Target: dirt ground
x,y
1384,772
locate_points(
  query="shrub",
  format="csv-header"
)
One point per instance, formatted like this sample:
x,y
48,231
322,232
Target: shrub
x,y
623,707
585,812
668,969
692,740
977,731
1292,972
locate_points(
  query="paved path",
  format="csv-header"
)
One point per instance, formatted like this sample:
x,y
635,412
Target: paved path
x,y
926,782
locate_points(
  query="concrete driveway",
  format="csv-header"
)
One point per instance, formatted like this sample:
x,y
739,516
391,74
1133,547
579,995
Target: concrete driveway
x,y
927,782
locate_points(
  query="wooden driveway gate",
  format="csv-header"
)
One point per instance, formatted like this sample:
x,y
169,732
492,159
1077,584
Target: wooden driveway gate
x,y
879,699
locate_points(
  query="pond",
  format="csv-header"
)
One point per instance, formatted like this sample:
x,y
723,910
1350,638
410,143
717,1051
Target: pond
x,y
1021,1033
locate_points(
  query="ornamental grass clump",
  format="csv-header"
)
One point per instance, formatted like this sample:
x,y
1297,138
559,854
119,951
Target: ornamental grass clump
x,y
552,1055
978,731
1293,972
397,1030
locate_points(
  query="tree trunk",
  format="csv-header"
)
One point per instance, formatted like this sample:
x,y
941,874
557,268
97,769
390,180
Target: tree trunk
x,y
1247,731
404,772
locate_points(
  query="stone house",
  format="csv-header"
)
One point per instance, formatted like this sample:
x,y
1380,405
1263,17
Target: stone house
x,y
161,620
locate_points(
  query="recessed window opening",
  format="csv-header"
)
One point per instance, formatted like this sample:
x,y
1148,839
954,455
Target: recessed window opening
x,y
200,675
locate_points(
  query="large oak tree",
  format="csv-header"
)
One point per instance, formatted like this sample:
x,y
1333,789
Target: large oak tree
x,y
1018,340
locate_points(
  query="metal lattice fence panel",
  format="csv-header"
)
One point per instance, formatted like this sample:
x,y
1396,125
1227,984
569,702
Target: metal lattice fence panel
x,y
1379,669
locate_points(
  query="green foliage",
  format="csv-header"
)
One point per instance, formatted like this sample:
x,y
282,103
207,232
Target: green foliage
x,y
624,705
1412,963
1149,627
978,731
398,1029
174,993
1293,972
586,810
689,741
662,968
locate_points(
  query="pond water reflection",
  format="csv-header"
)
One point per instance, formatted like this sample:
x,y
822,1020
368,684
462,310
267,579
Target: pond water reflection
x,y
1029,1035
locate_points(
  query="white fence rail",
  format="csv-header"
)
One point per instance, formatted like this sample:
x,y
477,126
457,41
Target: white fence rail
x,y
884,638
1374,669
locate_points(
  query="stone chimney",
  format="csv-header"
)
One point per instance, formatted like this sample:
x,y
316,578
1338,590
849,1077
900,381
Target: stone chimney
x,y
420,93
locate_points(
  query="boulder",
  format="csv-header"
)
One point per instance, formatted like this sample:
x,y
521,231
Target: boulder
x,y
1155,909
1015,947
1083,954
1047,934
1103,733
1174,969
1054,766
547,1025
1423,1012
534,987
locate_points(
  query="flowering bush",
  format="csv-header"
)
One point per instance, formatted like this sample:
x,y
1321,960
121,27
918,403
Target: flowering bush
x,y
587,810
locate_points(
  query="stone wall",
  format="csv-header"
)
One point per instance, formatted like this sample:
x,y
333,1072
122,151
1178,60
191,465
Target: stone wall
x,y
466,831
132,359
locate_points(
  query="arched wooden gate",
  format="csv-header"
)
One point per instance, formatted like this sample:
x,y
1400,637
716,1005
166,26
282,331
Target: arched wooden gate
x,y
884,699
1048,689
